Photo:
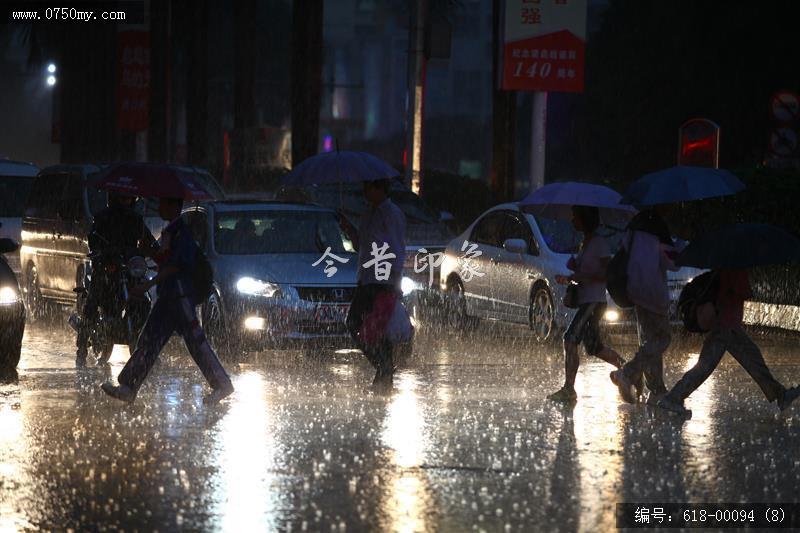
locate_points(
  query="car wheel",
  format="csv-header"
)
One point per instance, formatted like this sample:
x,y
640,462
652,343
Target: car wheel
x,y
457,317
37,307
542,313
214,326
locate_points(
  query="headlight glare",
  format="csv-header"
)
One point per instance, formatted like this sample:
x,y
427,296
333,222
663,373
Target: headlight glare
x,y
256,287
8,296
611,315
407,285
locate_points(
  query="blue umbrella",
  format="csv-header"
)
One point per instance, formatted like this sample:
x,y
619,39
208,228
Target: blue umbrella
x,y
555,200
681,184
740,246
339,167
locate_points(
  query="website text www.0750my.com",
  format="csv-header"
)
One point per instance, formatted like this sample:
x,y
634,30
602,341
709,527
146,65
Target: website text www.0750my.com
x,y
66,14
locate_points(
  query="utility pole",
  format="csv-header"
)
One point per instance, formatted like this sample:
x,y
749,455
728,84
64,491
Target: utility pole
x,y
158,131
538,139
503,119
416,93
306,77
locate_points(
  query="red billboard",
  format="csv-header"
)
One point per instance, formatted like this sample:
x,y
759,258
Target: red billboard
x,y
133,80
544,43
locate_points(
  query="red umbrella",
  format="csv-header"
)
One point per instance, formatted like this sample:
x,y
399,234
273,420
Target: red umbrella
x,y
153,181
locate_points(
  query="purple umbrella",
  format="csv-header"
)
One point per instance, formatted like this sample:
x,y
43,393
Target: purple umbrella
x,y
555,200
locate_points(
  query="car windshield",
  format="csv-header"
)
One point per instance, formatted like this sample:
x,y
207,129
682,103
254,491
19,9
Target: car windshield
x,y
559,235
562,238
352,200
279,232
14,192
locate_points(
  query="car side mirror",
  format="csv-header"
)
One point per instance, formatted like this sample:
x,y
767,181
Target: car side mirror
x,y
516,246
8,245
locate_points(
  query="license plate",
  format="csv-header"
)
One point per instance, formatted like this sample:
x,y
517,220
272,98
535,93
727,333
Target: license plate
x,y
328,314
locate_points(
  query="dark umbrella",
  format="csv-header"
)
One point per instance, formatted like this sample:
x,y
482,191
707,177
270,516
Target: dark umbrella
x,y
339,167
681,184
153,181
740,246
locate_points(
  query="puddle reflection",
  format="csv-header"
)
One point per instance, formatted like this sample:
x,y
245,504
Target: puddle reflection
x,y
598,435
408,501
245,496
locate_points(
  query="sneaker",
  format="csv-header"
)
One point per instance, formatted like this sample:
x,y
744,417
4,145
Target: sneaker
x,y
669,404
383,381
623,383
789,395
120,392
219,394
564,394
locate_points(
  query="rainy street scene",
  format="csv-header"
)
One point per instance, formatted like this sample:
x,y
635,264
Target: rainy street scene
x,y
399,266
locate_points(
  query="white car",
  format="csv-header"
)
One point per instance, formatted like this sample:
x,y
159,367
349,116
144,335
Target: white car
x,y
503,267
16,180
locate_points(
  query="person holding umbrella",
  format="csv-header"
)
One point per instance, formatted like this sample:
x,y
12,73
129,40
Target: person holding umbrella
x,y
174,310
729,252
651,253
381,250
582,202
589,272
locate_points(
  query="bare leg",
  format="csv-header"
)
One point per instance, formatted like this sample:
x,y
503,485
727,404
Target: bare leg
x,y
571,363
611,357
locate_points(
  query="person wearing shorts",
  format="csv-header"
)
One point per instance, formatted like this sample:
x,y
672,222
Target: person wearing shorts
x,y
589,272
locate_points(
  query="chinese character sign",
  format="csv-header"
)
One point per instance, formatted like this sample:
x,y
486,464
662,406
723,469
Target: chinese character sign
x,y
544,43
329,258
380,256
468,268
429,261
133,80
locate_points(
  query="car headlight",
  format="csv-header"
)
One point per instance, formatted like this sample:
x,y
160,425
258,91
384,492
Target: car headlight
x,y
611,315
407,285
8,296
256,287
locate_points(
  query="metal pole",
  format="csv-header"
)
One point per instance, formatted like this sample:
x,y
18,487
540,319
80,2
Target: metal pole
x,y
538,139
416,94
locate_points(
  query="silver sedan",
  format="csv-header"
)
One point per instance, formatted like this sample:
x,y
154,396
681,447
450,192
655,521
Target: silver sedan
x,y
284,274
503,268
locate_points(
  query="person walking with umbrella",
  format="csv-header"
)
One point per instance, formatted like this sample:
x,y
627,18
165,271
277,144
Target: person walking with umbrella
x,y
582,202
381,250
174,310
589,272
651,253
730,252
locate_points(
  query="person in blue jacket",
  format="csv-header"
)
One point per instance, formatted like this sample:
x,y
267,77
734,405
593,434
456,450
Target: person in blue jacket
x,y
174,311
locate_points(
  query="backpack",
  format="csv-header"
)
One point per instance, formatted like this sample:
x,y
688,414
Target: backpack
x,y
700,291
203,276
617,276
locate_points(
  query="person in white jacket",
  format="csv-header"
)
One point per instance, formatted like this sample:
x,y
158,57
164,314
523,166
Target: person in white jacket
x,y
651,253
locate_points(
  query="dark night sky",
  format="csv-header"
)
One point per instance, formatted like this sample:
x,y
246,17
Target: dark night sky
x,y
25,104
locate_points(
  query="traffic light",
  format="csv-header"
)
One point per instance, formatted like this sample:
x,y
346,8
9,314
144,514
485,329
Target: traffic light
x,y
698,143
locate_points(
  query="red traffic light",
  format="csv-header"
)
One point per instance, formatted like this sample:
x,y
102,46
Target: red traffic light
x,y
698,143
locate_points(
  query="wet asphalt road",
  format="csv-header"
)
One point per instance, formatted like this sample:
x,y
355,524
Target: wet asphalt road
x,y
466,441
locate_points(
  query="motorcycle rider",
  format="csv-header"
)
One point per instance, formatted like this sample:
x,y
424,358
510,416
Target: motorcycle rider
x,y
116,228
